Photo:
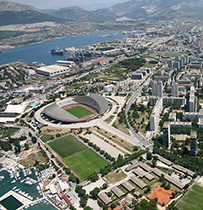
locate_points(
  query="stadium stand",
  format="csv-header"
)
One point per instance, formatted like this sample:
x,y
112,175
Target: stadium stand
x,y
56,110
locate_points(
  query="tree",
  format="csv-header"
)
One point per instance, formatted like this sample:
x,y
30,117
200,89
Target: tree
x,y
109,194
26,146
113,205
93,177
168,186
94,193
105,185
149,156
173,195
135,148
34,140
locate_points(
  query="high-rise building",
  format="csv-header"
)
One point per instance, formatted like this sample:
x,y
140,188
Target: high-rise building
x,y
166,134
177,58
153,88
192,99
193,143
187,58
160,89
177,65
175,89
181,63
170,64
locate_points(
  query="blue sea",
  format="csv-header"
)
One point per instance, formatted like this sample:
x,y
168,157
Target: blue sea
x,y
41,52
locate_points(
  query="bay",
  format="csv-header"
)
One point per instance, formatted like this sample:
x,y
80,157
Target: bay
x,y
41,52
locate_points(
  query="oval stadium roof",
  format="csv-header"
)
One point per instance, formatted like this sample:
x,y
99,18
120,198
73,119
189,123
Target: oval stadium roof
x,y
56,112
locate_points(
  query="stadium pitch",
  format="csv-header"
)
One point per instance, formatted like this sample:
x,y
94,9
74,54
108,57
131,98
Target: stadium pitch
x,y
79,111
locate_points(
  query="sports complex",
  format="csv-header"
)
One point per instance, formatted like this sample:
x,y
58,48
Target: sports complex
x,y
78,109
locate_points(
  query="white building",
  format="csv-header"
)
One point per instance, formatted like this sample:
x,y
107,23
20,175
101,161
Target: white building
x,y
154,118
52,70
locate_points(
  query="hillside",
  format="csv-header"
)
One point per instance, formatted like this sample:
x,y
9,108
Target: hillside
x,y
14,13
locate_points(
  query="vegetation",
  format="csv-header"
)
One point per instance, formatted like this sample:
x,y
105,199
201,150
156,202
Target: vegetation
x,y
192,200
85,163
79,111
66,146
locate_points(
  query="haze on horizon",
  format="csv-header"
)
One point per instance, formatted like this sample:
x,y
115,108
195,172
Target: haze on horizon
x,y
57,4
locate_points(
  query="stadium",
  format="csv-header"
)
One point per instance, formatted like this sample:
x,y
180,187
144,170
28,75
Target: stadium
x,y
78,109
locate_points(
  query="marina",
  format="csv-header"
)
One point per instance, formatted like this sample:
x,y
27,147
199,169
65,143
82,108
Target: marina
x,y
23,186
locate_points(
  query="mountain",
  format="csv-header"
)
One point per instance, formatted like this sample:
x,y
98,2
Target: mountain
x,y
14,13
158,8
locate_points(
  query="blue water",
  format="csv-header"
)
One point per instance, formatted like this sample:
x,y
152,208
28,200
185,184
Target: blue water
x,y
6,185
42,205
41,52
34,104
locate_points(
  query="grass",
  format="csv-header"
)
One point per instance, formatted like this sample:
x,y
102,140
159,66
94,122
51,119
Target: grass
x,y
79,111
66,146
192,200
115,176
85,163
120,126
7,132
46,138
109,119
123,189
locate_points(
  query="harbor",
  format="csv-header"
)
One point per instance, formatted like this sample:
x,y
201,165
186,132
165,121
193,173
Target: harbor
x,y
23,188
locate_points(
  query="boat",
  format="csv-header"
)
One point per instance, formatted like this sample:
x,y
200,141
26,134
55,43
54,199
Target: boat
x,y
57,52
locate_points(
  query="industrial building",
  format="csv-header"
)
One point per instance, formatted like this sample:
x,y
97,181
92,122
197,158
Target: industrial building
x,y
52,70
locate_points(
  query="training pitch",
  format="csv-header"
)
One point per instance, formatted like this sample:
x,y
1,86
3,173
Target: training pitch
x,y
192,200
85,163
66,146
79,111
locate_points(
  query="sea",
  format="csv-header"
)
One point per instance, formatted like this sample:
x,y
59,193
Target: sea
x,y
41,52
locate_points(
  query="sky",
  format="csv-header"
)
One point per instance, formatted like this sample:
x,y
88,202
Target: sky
x,y
56,4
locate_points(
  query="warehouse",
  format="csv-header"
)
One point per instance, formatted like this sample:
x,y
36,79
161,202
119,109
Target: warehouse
x,y
52,70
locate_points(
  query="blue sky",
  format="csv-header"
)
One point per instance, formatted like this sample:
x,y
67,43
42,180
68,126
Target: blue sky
x,y
56,4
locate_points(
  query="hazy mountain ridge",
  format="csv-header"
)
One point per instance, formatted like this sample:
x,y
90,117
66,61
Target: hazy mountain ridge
x,y
147,9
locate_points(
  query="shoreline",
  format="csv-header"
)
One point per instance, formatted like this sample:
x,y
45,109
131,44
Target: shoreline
x,y
51,39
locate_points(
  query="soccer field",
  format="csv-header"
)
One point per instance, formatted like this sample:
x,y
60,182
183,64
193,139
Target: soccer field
x,y
85,162
192,200
79,111
66,146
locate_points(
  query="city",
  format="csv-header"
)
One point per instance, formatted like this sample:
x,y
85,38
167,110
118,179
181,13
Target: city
x,y
115,124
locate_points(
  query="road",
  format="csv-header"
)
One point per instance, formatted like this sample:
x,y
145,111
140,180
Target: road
x,y
142,141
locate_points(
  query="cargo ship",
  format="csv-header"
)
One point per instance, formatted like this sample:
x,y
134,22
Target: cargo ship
x,y
57,52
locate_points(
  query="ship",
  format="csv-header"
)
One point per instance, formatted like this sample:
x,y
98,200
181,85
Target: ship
x,y
57,52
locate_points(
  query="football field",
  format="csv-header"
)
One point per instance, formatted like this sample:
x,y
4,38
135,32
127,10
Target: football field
x,y
66,146
79,111
192,200
85,163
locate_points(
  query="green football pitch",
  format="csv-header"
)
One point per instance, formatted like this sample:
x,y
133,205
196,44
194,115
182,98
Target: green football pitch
x,y
79,111
85,162
192,200
66,146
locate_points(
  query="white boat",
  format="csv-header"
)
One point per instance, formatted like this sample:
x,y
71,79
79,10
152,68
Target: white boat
x,y
13,181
